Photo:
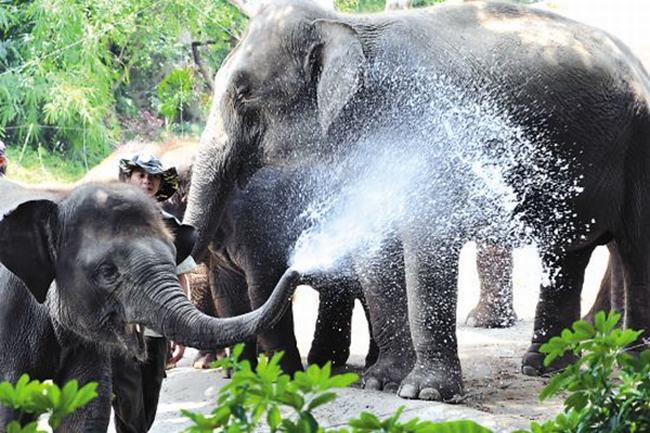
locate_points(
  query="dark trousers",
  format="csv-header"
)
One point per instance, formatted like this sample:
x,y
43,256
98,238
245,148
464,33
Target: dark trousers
x,y
136,387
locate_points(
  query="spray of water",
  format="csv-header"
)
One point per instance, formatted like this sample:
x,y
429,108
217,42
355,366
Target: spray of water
x,y
445,160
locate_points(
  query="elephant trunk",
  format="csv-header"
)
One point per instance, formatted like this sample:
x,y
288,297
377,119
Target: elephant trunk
x,y
215,170
186,325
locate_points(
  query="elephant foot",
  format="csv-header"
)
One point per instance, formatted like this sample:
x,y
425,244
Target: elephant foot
x,y
433,381
320,357
204,359
386,374
491,316
533,362
290,362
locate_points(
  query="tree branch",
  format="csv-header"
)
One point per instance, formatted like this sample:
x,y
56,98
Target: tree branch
x,y
203,70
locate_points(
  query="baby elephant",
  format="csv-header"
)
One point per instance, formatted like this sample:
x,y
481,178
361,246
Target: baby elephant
x,y
79,269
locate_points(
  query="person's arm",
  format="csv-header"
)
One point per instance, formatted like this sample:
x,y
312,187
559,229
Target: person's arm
x,y
184,279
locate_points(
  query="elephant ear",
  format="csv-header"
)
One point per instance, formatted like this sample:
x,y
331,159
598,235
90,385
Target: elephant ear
x,y
341,62
26,237
184,237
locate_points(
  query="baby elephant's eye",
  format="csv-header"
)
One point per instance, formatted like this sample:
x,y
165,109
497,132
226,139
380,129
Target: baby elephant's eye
x,y
106,274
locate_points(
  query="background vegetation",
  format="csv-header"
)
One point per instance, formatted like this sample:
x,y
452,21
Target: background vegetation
x,y
76,78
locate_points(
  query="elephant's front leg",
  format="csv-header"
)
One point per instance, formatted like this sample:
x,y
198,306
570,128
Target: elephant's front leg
x,y
382,279
495,306
87,365
202,298
281,337
229,291
431,280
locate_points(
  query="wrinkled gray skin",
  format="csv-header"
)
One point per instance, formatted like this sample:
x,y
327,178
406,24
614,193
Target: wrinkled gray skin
x,y
96,259
263,220
296,89
246,254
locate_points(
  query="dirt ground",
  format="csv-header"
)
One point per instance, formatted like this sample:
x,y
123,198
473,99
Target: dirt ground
x,y
497,394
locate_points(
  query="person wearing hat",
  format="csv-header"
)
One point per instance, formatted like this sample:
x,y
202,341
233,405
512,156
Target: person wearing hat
x,y
136,385
3,159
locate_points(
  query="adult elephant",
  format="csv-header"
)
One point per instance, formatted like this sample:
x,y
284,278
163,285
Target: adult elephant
x,y
78,270
306,84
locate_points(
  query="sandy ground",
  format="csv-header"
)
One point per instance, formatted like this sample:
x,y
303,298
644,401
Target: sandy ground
x,y
497,395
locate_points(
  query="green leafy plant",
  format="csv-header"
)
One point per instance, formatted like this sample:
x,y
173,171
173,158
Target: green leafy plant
x,y
369,423
74,74
38,398
608,387
266,395
175,92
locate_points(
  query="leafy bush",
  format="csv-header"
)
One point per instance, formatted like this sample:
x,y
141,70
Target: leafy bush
x,y
175,92
267,395
609,391
71,71
38,398
608,387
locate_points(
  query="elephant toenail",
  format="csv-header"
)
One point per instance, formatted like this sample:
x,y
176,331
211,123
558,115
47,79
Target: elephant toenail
x,y
372,383
431,394
530,371
407,391
391,387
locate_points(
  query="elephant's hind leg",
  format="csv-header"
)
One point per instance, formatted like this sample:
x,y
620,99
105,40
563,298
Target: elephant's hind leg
x,y
495,306
558,306
611,295
332,336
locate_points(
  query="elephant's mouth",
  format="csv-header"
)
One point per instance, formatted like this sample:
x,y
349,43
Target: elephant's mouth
x,y
130,337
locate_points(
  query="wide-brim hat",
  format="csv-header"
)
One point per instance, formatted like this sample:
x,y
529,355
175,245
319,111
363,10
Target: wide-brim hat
x,y
169,179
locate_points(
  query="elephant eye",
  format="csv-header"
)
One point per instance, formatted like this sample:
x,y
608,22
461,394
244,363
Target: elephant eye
x,y
106,274
242,90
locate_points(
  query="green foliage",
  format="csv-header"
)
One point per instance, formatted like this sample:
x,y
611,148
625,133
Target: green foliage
x,y
256,395
375,5
38,398
608,388
369,423
608,391
286,405
175,92
72,71
40,166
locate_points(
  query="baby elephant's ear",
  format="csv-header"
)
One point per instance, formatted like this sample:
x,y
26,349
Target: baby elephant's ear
x,y
26,245
184,237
